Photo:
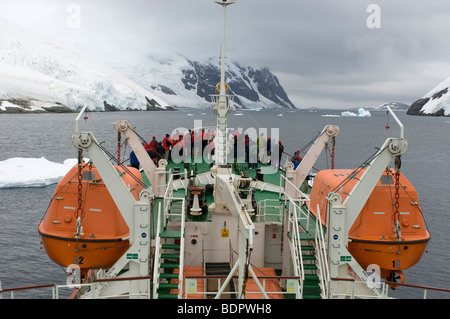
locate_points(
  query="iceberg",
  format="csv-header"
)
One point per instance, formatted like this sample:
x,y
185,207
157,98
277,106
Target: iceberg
x,y
21,172
361,113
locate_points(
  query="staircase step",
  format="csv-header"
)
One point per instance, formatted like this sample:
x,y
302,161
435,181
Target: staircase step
x,y
167,275
169,266
306,236
311,289
308,248
308,257
167,296
171,234
170,256
311,277
168,286
310,266
311,296
170,246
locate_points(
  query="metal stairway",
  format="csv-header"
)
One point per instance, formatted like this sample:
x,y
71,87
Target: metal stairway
x,y
311,283
169,253
169,260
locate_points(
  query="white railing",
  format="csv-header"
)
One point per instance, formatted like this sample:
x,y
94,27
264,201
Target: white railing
x,y
321,249
269,208
157,254
295,245
55,288
301,198
181,280
220,278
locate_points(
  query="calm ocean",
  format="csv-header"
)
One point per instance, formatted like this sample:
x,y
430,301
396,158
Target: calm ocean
x,y
425,164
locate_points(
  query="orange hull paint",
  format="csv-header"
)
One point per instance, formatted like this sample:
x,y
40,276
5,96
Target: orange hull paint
x,y
372,238
105,233
85,254
388,256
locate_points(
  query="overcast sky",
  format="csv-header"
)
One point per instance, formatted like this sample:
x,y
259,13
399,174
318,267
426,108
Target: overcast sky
x,y
325,53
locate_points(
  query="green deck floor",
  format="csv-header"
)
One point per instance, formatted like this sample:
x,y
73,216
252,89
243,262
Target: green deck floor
x,y
239,168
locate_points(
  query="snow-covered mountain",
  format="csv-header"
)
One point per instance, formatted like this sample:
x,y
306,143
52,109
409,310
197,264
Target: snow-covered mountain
x,y
37,73
186,83
436,102
393,105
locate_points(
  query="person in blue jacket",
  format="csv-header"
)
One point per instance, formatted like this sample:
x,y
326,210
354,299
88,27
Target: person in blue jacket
x,y
296,159
133,160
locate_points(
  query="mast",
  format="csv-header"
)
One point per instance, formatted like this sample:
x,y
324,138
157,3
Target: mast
x,y
221,102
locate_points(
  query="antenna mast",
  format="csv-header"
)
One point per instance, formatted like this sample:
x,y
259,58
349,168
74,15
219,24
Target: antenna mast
x,y
221,102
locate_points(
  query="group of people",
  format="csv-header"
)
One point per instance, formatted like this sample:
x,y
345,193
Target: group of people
x,y
155,149
263,150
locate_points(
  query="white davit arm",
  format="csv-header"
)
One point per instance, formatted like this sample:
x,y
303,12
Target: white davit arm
x,y
116,187
146,162
357,198
79,116
310,158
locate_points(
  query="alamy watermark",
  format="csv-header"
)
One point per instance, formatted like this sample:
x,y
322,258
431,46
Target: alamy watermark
x,y
74,16
249,146
374,19
374,279
73,275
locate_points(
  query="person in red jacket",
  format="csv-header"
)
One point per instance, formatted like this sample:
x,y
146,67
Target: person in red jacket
x,y
167,145
153,143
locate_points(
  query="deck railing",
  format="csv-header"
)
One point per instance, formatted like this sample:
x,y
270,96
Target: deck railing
x,y
55,288
210,293
321,249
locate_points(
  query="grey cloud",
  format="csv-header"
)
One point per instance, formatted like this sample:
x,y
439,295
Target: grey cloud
x,y
321,50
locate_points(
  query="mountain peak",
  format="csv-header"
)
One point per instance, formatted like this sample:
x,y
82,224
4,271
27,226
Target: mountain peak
x,y
36,71
39,74
436,102
191,82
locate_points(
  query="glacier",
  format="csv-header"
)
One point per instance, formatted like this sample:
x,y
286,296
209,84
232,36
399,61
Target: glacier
x,y
39,74
36,72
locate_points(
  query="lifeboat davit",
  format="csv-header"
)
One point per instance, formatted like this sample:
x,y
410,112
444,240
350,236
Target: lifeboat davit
x,y
104,235
377,236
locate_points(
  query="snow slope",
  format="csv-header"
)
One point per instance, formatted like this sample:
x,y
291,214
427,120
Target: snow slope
x,y
435,102
163,77
41,72
186,83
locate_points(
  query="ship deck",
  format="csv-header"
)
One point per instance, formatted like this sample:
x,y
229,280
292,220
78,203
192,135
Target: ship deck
x,y
273,200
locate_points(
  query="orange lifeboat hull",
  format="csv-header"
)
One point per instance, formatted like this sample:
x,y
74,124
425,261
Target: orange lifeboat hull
x,y
372,238
84,253
104,237
387,255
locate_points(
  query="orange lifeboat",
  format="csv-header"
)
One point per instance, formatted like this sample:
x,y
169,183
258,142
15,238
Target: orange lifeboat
x,y
394,243
104,235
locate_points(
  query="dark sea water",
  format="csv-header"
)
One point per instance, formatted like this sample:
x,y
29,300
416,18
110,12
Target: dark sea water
x,y
426,165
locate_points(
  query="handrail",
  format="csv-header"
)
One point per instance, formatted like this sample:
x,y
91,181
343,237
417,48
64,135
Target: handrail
x,y
219,277
297,248
209,277
156,261
262,207
26,288
183,217
302,198
322,254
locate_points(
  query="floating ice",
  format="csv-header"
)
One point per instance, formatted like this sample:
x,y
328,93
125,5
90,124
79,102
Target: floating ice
x,y
361,113
32,172
330,115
